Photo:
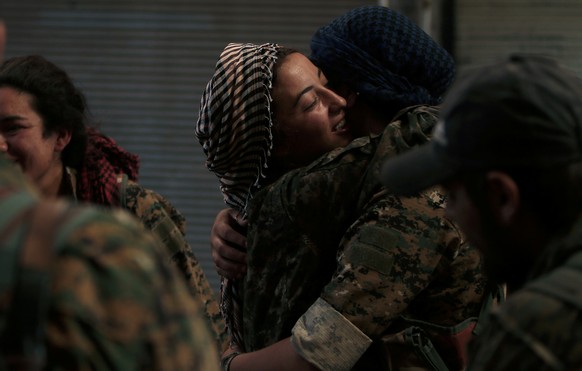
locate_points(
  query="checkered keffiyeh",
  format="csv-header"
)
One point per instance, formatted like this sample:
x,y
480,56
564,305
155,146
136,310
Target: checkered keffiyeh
x,y
235,120
384,56
104,161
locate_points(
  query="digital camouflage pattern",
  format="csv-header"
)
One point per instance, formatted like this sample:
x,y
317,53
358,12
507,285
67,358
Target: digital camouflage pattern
x,y
157,214
399,261
114,302
161,217
539,327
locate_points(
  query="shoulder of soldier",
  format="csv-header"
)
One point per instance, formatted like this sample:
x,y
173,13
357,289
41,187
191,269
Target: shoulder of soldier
x,y
113,276
421,217
358,150
151,207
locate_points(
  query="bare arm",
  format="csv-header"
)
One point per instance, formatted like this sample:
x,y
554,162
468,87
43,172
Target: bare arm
x,y
228,244
280,356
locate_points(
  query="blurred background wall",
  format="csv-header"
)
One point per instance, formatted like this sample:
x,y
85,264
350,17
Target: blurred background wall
x,y
143,64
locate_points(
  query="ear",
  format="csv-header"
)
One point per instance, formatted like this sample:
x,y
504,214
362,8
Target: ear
x,y
503,196
63,140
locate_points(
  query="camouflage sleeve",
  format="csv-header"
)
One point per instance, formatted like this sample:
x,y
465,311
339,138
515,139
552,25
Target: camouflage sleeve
x,y
390,255
387,258
117,305
160,216
320,324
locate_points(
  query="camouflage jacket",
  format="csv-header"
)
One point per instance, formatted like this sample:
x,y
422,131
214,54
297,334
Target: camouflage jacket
x,y
539,327
333,255
160,216
113,303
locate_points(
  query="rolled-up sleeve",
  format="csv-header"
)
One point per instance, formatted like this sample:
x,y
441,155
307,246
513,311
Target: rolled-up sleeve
x,y
327,339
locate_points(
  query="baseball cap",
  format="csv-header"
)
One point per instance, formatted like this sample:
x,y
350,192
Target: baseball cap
x,y
522,112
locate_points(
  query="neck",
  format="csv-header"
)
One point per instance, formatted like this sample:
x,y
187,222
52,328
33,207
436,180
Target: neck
x,y
53,183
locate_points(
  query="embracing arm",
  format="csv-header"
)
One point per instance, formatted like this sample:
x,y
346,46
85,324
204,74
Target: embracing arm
x,y
280,356
387,267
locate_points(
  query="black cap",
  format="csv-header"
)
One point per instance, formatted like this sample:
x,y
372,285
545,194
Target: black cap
x,y
524,112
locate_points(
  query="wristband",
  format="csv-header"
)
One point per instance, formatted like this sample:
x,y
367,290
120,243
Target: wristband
x,y
226,361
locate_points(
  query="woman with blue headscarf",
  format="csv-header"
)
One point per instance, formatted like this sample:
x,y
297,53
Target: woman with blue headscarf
x,y
402,282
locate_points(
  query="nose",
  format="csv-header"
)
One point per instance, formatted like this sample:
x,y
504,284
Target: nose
x,y
336,102
3,144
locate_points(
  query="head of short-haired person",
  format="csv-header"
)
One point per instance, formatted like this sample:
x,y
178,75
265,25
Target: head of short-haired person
x,y
508,151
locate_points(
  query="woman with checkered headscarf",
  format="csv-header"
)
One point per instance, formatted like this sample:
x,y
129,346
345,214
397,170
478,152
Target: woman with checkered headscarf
x,y
265,111
258,118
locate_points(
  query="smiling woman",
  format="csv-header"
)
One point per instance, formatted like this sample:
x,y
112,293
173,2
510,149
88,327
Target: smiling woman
x,y
45,129
25,141
266,111
309,118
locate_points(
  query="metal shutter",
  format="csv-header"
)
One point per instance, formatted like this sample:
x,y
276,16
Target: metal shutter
x,y
143,65
488,30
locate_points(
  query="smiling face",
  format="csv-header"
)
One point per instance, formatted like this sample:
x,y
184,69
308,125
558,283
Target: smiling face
x,y
310,118
23,140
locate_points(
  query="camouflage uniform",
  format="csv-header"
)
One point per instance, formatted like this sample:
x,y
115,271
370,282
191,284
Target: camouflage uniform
x,y
113,303
539,327
400,266
158,215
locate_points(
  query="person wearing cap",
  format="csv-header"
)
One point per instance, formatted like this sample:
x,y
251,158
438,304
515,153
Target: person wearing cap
x,y
508,151
296,224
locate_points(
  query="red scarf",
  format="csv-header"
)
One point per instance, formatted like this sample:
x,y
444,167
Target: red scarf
x,y
104,161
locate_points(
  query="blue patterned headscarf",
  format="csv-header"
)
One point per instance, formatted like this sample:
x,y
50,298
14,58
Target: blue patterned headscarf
x,y
383,56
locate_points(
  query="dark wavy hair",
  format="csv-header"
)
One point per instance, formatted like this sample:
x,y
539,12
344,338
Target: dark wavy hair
x,y
55,98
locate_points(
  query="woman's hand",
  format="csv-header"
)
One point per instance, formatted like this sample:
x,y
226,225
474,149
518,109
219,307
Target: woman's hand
x,y
228,244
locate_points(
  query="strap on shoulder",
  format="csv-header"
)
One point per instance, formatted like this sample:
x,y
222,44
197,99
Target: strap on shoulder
x,y
122,180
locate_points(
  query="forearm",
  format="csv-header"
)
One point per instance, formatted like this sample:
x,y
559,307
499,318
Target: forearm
x,y
280,356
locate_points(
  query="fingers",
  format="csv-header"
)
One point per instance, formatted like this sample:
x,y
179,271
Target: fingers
x,y
229,262
227,228
228,244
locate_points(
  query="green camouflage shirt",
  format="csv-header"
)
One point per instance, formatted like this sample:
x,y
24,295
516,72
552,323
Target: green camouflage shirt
x,y
328,246
114,302
539,327
158,215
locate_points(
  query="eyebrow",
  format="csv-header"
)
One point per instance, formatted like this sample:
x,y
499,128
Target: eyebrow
x,y
307,89
11,118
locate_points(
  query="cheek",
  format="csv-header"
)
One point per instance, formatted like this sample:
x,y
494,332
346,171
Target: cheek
x,y
466,218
